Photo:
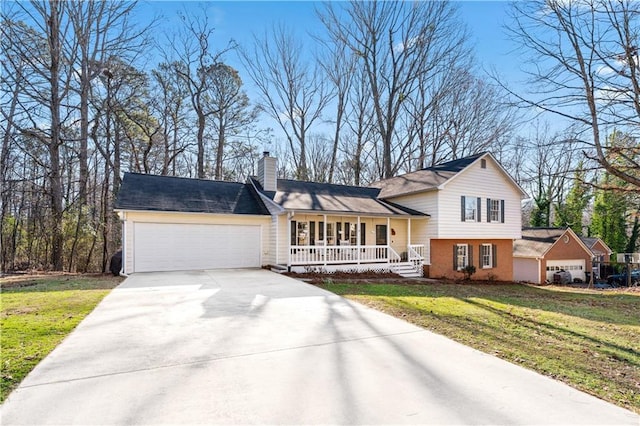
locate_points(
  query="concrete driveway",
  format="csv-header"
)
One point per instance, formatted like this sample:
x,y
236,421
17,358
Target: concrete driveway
x,y
251,346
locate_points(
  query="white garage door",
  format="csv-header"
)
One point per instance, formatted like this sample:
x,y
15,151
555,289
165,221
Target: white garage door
x,y
525,270
575,266
182,247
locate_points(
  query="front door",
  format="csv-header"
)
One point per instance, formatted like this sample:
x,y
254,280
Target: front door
x,y
381,235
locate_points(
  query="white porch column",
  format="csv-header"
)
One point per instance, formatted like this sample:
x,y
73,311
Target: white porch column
x,y
408,233
324,232
388,239
358,241
289,242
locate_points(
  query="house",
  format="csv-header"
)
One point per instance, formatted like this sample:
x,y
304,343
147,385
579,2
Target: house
x,y
439,219
541,252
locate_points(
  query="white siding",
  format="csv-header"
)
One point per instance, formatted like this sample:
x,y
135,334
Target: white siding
x,y
424,202
444,205
483,183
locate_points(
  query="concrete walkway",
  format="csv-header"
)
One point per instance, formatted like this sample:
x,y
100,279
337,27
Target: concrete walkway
x,y
251,346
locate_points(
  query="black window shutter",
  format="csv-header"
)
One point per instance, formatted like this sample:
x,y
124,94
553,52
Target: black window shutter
x,y
321,230
494,254
462,215
502,211
363,234
479,218
470,248
338,233
488,209
294,232
455,256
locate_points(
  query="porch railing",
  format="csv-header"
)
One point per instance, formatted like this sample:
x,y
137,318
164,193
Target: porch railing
x,y
419,251
327,255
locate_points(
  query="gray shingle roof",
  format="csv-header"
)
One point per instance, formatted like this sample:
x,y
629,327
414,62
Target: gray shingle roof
x,y
166,193
314,196
425,179
536,241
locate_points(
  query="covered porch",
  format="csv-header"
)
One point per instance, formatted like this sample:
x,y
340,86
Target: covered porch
x,y
356,243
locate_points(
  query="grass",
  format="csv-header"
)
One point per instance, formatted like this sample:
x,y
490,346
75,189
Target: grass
x,y
37,313
588,339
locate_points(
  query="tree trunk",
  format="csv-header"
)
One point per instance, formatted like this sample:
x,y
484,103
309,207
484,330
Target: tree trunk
x,y
55,180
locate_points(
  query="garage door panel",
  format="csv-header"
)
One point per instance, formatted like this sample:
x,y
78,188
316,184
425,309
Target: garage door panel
x,y
525,270
576,267
174,247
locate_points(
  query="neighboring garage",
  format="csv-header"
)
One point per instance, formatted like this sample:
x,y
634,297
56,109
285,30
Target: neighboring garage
x,y
542,252
576,267
182,247
177,224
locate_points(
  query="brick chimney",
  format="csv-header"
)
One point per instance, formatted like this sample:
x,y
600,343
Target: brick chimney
x,y
267,172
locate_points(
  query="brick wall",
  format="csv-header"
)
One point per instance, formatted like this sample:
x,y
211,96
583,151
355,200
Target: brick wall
x,y
562,250
442,259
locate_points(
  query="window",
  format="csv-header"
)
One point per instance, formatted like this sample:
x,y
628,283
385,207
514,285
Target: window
x,y
470,207
486,256
461,256
495,210
483,164
352,233
331,236
303,234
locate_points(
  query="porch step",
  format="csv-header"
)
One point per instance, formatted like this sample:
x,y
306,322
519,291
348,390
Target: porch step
x,y
405,270
279,269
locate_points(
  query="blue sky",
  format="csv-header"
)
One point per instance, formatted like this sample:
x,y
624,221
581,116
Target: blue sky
x,y
239,19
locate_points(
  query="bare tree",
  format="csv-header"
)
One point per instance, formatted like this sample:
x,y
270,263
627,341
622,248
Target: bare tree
x,y
339,66
101,29
195,56
397,43
232,112
292,91
552,161
46,79
584,67
170,107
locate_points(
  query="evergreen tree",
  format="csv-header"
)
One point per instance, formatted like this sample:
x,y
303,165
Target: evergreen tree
x,y
609,217
632,244
570,212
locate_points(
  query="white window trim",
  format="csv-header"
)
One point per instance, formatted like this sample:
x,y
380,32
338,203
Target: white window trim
x,y
484,254
468,201
302,233
464,257
497,211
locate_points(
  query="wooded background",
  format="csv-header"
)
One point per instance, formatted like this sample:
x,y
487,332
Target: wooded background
x,y
393,88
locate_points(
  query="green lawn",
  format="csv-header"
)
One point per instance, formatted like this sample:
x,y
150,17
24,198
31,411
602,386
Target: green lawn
x,y
37,313
587,338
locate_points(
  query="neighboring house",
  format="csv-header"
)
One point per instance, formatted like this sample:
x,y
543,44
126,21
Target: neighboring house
x,y
541,252
445,217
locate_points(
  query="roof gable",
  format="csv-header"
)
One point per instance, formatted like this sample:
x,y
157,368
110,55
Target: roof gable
x,y
436,177
168,193
537,242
